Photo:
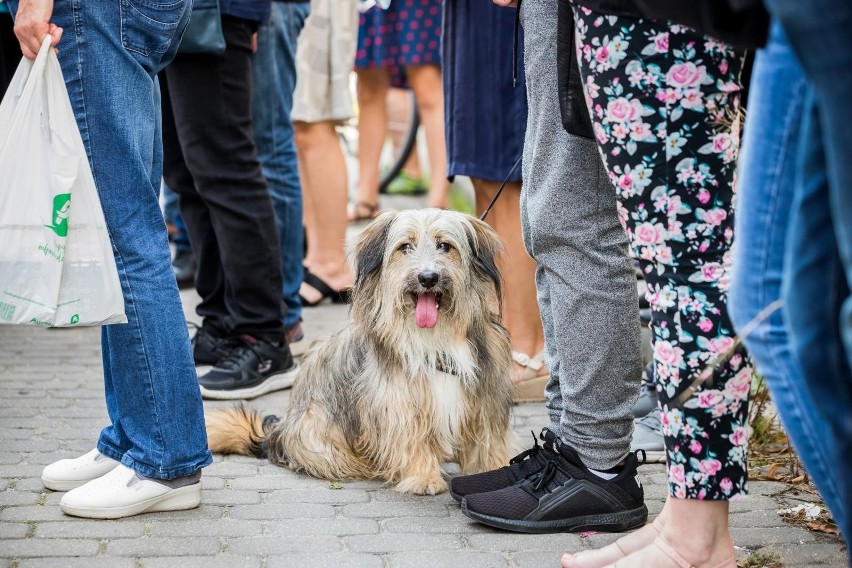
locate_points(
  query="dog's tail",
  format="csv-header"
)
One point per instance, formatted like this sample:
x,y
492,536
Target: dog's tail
x,y
238,430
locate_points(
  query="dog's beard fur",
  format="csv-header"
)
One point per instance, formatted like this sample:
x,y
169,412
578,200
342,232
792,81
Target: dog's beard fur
x,y
397,393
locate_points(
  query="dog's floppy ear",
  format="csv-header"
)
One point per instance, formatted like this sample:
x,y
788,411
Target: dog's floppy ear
x,y
370,246
486,246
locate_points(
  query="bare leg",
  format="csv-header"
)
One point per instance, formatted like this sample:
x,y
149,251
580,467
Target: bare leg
x,y
520,305
373,85
425,81
324,189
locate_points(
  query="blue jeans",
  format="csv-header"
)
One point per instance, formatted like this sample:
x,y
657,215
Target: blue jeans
x,y
172,214
274,79
767,191
818,265
110,53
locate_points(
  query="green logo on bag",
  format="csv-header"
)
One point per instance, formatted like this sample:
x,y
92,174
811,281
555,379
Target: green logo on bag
x,y
75,319
59,219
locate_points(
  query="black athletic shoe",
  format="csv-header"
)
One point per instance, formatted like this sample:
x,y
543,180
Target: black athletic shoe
x,y
209,346
252,368
564,497
523,465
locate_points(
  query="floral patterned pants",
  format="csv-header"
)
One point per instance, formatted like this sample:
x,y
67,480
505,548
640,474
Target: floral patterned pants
x,y
664,102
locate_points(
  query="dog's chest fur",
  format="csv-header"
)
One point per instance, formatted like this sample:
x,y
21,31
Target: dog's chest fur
x,y
447,408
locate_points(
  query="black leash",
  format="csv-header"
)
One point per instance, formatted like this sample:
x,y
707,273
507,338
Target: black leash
x,y
499,191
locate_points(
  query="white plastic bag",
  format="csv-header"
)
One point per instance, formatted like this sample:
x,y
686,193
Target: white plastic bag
x,y
56,262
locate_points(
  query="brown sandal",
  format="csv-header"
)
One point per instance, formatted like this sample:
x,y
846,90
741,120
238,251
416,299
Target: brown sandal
x,y
356,211
529,388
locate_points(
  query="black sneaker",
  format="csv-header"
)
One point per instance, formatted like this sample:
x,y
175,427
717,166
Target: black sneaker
x,y
564,497
252,368
523,465
209,346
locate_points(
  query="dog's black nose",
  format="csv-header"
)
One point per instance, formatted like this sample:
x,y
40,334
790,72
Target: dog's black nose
x,y
428,278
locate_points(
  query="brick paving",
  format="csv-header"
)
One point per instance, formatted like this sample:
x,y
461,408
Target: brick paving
x,y
258,515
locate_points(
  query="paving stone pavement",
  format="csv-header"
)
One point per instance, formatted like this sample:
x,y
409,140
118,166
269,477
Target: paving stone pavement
x,y
258,515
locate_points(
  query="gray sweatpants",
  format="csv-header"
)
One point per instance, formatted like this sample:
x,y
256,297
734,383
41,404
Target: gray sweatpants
x,y
585,281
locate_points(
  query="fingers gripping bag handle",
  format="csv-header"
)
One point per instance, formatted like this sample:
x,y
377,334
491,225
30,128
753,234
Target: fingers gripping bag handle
x,y
56,262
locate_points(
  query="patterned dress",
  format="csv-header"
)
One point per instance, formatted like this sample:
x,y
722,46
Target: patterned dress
x,y
664,102
407,33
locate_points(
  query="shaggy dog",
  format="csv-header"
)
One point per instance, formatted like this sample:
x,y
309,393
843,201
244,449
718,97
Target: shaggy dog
x,y
422,375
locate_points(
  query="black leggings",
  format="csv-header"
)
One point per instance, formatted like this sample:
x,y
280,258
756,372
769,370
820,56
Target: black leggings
x,y
664,107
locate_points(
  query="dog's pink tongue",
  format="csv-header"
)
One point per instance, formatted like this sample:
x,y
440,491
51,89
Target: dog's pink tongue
x,y
426,311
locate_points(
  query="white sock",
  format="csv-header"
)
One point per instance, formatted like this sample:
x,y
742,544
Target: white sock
x,y
605,475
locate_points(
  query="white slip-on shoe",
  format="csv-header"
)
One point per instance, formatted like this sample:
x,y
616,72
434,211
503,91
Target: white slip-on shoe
x,y
65,475
120,493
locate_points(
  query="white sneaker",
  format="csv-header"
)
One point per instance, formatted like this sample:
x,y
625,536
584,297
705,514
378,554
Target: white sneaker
x,y
648,437
65,475
120,493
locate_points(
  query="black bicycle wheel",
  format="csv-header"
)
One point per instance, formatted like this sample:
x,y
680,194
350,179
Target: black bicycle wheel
x,y
405,148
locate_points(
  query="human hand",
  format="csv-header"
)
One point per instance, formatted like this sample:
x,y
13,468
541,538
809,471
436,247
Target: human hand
x,y
32,24
506,3
254,42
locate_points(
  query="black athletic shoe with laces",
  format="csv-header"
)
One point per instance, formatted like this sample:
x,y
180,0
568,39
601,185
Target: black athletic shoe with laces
x,y
526,463
251,368
564,497
208,346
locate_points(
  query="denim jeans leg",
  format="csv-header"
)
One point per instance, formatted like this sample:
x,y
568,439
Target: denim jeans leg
x,y
274,79
813,290
766,181
153,401
171,211
818,35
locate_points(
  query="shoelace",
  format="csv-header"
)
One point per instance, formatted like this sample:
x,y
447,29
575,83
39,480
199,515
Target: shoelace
x,y
238,356
527,453
545,476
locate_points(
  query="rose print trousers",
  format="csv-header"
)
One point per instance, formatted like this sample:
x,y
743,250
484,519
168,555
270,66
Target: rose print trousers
x,y
664,102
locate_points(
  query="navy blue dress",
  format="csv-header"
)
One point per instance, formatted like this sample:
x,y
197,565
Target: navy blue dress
x,y
485,116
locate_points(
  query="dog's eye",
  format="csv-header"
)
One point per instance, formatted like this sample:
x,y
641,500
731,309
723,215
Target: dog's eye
x,y
444,247
406,248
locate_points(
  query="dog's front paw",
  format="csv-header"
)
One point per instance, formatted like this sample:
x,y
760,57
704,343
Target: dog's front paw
x,y
422,485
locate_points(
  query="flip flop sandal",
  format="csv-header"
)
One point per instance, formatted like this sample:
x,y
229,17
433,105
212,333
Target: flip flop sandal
x,y
326,291
372,210
531,387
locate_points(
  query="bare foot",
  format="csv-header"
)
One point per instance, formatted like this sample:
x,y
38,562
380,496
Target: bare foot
x,y
628,544
687,554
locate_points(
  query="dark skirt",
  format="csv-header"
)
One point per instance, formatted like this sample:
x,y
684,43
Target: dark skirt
x,y
408,33
486,117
